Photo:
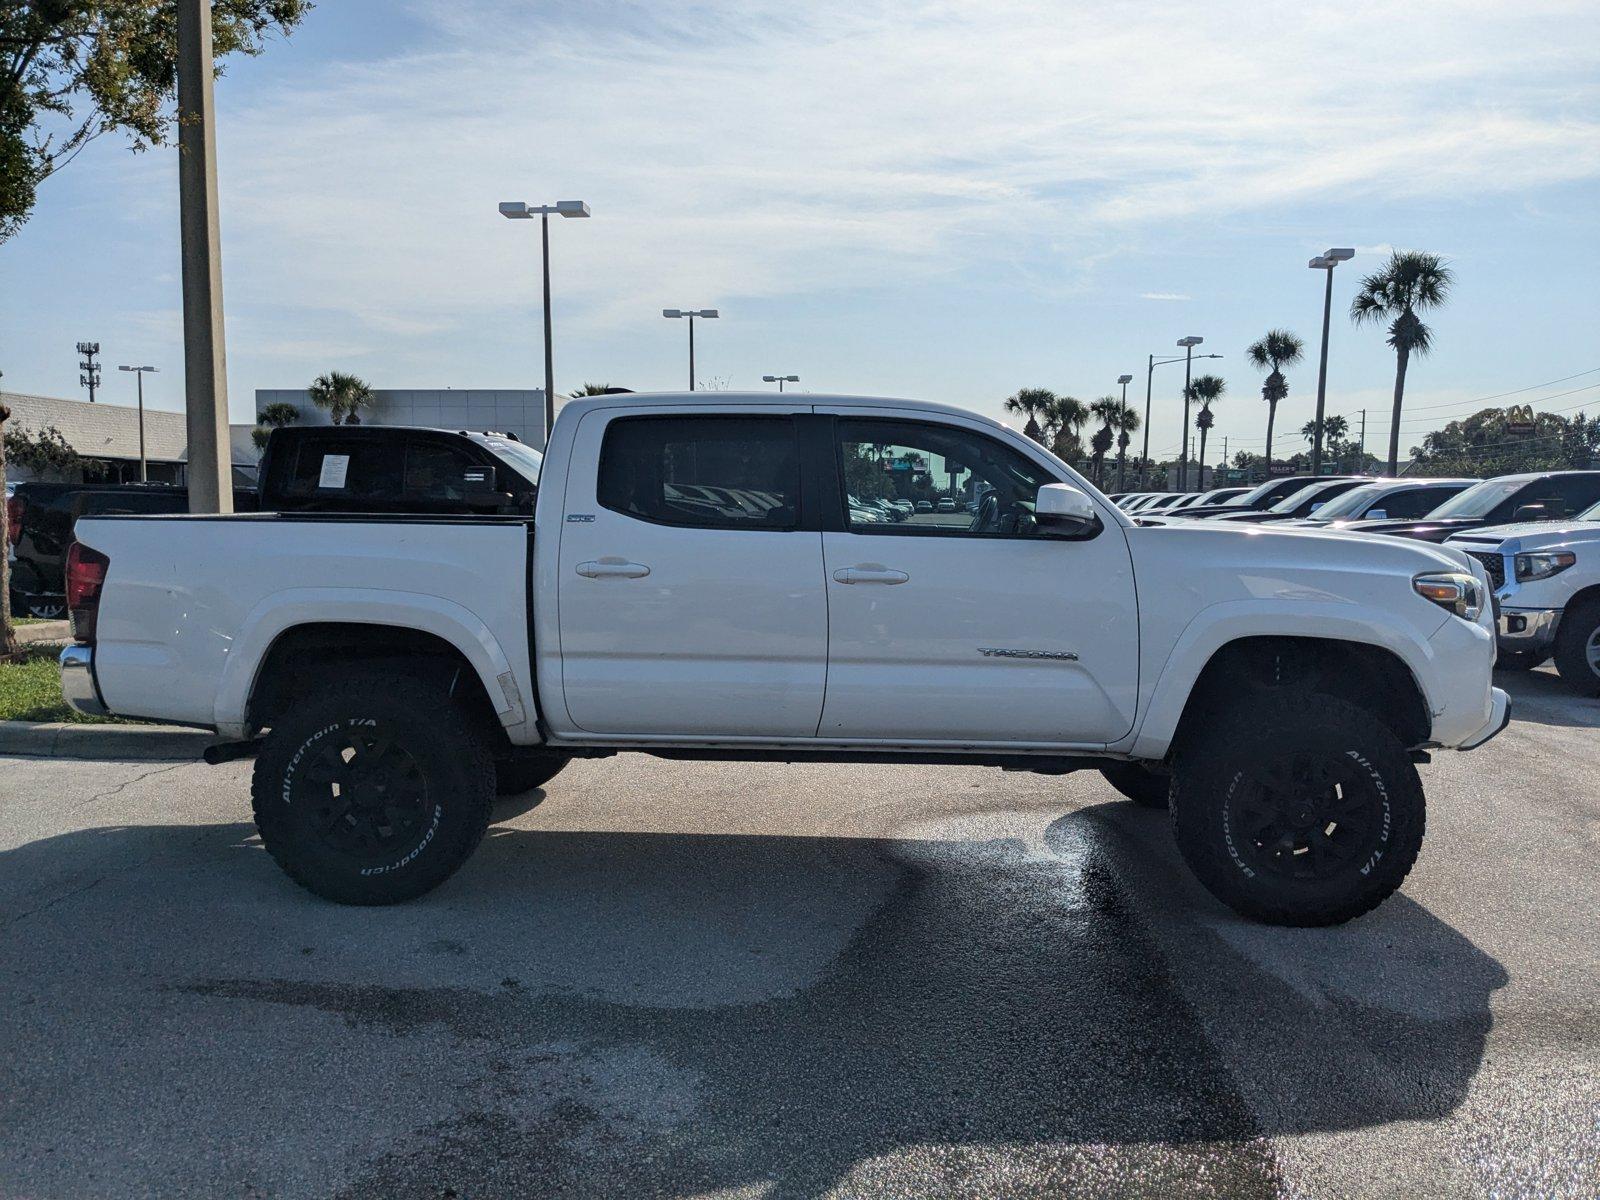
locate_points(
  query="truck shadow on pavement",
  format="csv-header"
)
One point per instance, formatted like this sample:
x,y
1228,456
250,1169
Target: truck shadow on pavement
x,y
611,1014
1540,697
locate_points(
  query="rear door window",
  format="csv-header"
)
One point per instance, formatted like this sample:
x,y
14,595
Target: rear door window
x,y
703,472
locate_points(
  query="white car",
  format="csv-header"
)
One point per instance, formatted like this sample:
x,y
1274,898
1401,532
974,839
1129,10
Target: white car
x,y
390,673
1546,578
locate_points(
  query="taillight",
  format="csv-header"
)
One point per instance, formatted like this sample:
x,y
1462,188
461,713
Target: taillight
x,y
86,574
14,509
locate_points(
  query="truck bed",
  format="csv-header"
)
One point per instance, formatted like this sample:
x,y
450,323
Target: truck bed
x,y
186,597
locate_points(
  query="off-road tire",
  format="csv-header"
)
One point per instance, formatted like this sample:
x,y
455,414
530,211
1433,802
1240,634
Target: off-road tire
x,y
440,763
1145,787
1578,624
521,773
1518,660
1374,808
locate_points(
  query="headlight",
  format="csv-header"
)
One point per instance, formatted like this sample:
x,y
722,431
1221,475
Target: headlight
x,y
1457,592
1542,566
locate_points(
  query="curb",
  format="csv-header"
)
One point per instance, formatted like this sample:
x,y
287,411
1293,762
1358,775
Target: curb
x,y
62,739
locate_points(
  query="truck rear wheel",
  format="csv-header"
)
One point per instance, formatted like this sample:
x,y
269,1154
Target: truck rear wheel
x,y
1303,814
1139,783
1578,647
373,791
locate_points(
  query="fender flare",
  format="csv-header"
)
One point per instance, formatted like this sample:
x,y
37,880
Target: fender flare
x,y
277,613
1217,625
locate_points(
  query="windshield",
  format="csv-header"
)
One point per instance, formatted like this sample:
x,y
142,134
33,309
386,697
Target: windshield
x,y
1219,496
1300,495
523,457
1478,500
1269,492
1352,504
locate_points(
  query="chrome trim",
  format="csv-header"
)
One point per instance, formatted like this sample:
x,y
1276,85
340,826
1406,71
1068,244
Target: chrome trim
x,y
78,687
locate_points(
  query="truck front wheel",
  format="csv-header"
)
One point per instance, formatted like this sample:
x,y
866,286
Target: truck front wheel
x,y
1578,647
372,791
1302,814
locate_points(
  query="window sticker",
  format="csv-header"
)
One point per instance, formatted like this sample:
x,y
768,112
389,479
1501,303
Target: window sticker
x,y
334,469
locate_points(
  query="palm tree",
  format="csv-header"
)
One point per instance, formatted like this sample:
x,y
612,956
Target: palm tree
x,y
1205,390
1105,410
1335,428
1126,424
593,389
1032,403
1410,282
1064,417
343,395
1278,349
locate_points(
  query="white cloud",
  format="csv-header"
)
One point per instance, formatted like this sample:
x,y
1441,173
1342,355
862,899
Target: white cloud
x,y
749,150
1164,296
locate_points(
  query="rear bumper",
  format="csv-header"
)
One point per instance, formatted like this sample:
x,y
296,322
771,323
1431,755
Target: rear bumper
x,y
1499,718
78,686
1531,629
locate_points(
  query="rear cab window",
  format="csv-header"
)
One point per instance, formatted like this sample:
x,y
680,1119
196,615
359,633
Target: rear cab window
x,y
703,472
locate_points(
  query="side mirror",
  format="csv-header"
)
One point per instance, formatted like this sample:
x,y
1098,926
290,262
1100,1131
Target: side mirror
x,y
1316,506
1377,514
1529,512
1063,511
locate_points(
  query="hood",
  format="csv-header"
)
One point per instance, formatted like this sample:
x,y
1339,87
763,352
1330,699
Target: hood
x,y
1333,549
1530,535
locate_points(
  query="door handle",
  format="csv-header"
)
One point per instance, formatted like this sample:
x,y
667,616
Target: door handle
x,y
869,573
612,568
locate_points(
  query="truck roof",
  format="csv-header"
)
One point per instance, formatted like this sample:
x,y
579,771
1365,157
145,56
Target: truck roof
x,y
788,400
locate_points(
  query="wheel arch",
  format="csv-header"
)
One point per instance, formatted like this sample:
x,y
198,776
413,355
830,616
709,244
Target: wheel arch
x,y
1370,677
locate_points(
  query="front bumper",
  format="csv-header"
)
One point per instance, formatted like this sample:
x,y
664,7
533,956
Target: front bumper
x,y
1499,718
1530,629
78,686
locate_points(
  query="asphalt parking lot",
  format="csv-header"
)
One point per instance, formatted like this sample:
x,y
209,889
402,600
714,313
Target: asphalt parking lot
x,y
725,980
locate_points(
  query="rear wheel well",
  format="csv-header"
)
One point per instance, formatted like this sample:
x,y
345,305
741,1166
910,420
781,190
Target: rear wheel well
x,y
304,659
1369,677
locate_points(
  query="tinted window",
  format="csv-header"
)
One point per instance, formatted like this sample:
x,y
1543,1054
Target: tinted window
x,y
347,467
437,470
953,481
1418,502
1555,499
707,472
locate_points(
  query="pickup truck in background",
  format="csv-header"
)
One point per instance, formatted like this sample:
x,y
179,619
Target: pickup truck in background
x,y
694,583
1546,579
397,469
1531,496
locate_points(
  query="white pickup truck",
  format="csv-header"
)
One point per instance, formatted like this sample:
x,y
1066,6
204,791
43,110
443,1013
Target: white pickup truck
x,y
1546,579
694,584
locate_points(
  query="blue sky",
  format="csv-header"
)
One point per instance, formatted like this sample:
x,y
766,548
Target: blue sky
x,y
940,200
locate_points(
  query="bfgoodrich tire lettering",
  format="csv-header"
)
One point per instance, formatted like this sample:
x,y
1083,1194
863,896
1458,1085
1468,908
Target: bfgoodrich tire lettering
x,y
373,791
1302,813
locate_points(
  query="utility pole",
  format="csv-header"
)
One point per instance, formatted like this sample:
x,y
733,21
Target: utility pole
x,y
205,363
1224,458
88,369
1324,262
1188,344
1363,459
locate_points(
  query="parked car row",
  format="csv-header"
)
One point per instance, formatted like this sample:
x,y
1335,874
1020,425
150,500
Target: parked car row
x,y
1537,535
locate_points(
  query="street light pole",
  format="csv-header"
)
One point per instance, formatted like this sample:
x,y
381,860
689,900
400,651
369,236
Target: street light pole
x,y
691,313
780,380
1188,344
1324,262
1122,453
520,210
139,374
1150,370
